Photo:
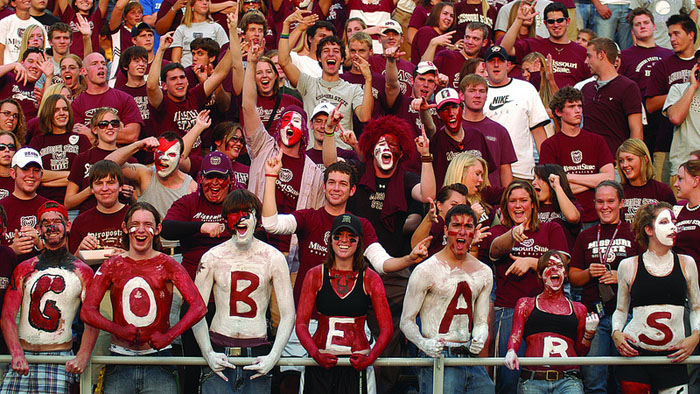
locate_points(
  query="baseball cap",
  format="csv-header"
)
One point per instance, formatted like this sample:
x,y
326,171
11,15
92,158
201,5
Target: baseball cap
x,y
426,67
496,50
216,162
392,25
447,95
139,27
347,221
26,156
323,108
49,206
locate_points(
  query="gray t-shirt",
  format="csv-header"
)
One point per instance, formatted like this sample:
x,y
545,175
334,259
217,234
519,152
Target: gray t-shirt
x,y
686,137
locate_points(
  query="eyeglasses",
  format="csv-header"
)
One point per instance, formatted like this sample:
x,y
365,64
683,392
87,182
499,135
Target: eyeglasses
x,y
233,140
553,21
103,124
11,147
9,114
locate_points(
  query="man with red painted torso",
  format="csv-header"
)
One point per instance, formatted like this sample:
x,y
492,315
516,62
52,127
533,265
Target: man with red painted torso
x,y
141,285
242,273
47,291
552,326
451,291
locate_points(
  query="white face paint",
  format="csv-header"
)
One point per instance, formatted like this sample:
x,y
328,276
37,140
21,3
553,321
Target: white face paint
x,y
245,228
554,274
167,161
665,228
290,131
383,155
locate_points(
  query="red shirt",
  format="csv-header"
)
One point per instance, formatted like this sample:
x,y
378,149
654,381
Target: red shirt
x,y
180,116
651,193
688,224
569,66
106,227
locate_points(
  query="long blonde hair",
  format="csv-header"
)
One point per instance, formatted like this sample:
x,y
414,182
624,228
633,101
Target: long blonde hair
x,y
513,14
545,89
459,166
636,147
25,39
51,90
189,14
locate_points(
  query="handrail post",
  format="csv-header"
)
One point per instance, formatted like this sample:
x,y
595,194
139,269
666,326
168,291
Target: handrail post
x,y
438,374
86,379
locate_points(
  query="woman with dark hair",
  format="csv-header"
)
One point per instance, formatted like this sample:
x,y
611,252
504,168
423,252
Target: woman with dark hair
x,y
474,66
58,146
228,138
433,223
557,201
12,118
656,285
418,18
635,169
440,21
514,247
342,287
271,102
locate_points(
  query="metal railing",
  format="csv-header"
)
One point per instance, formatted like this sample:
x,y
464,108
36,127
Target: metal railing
x,y
438,364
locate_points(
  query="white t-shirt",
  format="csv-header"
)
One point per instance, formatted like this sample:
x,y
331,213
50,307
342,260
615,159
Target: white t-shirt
x,y
518,108
184,36
540,27
11,30
686,137
307,65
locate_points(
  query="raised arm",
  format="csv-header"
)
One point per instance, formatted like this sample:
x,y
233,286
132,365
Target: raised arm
x,y
525,11
391,86
284,58
364,111
235,52
272,222
155,94
426,188
220,72
164,23
249,112
439,41
202,122
115,20
568,209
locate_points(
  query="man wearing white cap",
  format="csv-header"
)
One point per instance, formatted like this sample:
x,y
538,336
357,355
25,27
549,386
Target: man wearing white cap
x,y
424,83
318,122
392,37
21,205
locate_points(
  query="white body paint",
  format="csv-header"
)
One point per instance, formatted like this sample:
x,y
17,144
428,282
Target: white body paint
x,y
140,285
380,149
554,347
639,326
334,332
67,301
665,228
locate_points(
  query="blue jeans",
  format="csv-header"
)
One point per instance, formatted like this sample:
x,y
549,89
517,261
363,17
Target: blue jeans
x,y
586,10
141,379
617,23
506,380
569,385
238,382
595,377
457,379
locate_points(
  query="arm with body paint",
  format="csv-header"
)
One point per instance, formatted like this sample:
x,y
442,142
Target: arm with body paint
x,y
585,328
418,286
625,276
285,302
196,311
480,330
87,343
375,288
307,301
522,311
685,347
12,303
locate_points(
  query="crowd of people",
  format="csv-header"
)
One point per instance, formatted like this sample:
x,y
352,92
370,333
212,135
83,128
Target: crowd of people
x,y
361,179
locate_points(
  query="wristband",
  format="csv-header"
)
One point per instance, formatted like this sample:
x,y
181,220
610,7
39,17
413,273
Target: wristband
x,y
427,158
284,36
329,134
271,175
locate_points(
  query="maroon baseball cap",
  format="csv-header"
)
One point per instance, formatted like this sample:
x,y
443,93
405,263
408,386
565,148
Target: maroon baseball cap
x,y
217,162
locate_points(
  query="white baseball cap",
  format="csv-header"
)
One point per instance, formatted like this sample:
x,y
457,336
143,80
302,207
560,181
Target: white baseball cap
x,y
323,107
26,156
447,95
392,25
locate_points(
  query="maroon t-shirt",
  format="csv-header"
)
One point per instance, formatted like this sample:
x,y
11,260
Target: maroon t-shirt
x,y
122,79
240,172
569,66
85,105
20,213
378,64
337,15
96,21
587,251
437,230
444,148
499,144
637,62
7,185
581,155
512,287
688,224
286,193
314,233
58,152
194,207
606,108
419,16
466,13
421,42
402,109
651,193
266,104
547,214
450,63
180,116
140,96
23,93
107,228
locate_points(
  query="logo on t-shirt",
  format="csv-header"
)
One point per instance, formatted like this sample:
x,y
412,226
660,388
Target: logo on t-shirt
x,y
27,221
286,175
498,102
73,139
576,156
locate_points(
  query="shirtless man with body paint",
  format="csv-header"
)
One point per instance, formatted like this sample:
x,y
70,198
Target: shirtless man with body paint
x,y
242,273
655,285
141,287
552,326
451,291
48,289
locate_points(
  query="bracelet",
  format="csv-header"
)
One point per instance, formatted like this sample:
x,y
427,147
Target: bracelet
x,y
588,338
328,134
284,36
427,158
271,175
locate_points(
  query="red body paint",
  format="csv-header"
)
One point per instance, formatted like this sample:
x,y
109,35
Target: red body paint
x,y
243,295
653,321
49,318
463,291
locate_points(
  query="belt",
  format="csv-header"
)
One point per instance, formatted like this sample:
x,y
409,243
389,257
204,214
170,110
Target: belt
x,y
458,351
172,251
549,375
237,351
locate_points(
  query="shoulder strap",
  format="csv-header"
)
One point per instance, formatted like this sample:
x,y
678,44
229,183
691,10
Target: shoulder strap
x,y
274,111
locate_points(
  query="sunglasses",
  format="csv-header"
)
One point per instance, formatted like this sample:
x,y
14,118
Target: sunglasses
x,y
103,124
11,147
233,140
351,239
9,114
553,21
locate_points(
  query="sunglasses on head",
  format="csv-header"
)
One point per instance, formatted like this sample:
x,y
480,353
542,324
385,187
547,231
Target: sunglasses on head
x,y
553,21
103,124
12,147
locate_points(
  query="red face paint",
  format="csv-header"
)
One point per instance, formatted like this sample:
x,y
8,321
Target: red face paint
x,y
290,128
162,150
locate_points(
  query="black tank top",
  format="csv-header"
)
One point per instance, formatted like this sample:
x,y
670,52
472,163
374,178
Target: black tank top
x,y
654,290
541,321
354,304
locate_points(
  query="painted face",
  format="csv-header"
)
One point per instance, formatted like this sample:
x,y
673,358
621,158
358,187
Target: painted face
x,y
387,152
242,226
167,157
106,191
631,165
338,188
451,115
215,187
60,114
608,205
53,229
264,78
520,206
69,72
8,149
453,199
460,233
542,189
554,274
473,178
9,117
665,227
141,228
290,128
344,244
